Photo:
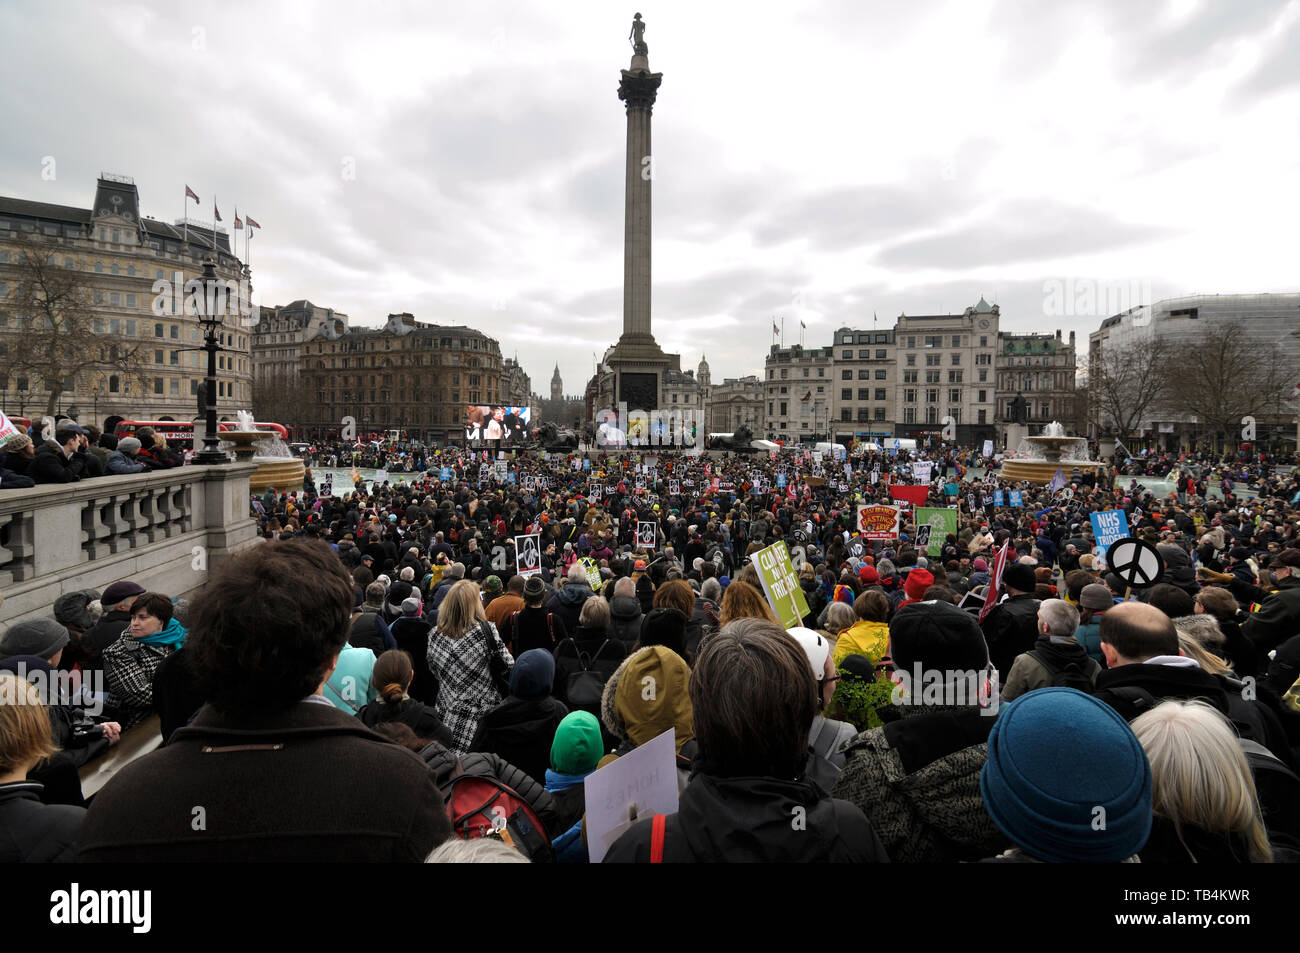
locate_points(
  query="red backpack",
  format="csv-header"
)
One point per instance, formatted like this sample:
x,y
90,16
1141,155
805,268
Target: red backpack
x,y
484,807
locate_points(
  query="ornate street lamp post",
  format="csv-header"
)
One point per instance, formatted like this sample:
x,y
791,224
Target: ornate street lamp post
x,y
210,317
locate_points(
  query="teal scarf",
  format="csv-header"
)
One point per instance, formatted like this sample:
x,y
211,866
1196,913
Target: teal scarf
x,y
172,635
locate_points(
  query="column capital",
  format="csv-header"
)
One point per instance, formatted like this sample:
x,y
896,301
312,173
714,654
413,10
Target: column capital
x,y
639,89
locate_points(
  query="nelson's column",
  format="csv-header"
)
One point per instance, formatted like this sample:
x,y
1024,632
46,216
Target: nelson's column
x,y
634,367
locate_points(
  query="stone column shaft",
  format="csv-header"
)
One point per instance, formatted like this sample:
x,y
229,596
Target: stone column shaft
x,y
638,90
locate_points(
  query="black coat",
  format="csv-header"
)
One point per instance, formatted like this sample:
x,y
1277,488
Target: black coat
x,y
106,631
51,466
421,718
1196,845
1010,629
533,627
306,784
1252,719
32,832
520,731
625,619
176,693
412,637
1278,617
754,819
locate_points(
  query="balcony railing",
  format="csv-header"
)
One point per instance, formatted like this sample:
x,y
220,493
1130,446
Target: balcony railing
x,y
149,526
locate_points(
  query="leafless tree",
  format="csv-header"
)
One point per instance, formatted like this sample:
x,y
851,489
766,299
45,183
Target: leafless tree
x,y
284,400
53,337
1225,376
1124,385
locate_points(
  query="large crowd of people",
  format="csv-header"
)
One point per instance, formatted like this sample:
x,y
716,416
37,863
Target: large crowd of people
x,y
390,659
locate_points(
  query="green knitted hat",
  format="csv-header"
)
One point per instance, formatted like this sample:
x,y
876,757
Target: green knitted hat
x,y
577,746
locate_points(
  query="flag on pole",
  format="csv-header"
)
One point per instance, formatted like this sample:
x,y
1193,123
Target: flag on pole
x,y
238,222
251,223
189,194
1057,483
802,326
216,212
775,329
995,582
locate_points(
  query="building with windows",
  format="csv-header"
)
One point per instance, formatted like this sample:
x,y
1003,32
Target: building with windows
x,y
686,390
1041,367
1269,324
516,388
138,333
403,376
736,402
862,407
281,331
945,368
797,388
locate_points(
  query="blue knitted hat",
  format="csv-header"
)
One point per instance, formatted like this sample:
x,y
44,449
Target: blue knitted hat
x,y
1066,779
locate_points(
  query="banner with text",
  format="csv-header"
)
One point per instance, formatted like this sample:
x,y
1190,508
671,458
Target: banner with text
x,y
781,584
941,521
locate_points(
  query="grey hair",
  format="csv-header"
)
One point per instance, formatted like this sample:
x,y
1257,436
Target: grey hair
x,y
625,586
456,571
839,616
577,573
481,850
407,574
711,589
1062,618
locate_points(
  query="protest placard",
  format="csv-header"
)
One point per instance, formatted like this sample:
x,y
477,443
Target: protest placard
x,y
634,786
781,584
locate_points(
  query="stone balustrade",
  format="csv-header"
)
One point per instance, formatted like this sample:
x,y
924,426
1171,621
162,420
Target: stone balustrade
x,y
164,530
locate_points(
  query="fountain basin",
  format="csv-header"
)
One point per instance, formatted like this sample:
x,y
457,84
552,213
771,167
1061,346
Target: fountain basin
x,y
1042,471
286,474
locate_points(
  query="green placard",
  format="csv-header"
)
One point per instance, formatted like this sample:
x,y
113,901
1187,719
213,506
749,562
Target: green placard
x,y
781,584
941,521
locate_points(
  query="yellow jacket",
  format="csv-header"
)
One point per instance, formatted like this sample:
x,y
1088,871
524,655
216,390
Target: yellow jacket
x,y
862,638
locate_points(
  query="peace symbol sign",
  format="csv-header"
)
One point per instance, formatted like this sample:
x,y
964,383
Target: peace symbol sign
x,y
1137,563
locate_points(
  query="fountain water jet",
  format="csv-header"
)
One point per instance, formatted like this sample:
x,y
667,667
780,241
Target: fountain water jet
x,y
276,467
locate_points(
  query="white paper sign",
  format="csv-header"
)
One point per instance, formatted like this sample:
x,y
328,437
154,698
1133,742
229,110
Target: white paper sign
x,y
646,534
528,554
644,779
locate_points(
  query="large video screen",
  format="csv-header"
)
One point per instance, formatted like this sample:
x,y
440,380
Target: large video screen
x,y
506,424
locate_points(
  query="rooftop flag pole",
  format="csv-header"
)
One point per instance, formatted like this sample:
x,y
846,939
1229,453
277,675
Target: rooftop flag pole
x,y
250,223
185,219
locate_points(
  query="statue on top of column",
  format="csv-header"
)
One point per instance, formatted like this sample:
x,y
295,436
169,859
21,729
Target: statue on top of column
x,y
637,37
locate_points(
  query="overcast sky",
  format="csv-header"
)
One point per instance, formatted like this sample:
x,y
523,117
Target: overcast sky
x,y
823,161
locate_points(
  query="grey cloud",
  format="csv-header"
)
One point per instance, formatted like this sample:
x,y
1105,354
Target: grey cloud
x,y
1021,231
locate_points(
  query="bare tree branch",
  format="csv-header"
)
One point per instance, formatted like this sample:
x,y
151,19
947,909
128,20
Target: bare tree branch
x,y
57,340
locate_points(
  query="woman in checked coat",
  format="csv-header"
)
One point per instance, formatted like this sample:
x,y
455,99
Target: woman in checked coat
x,y
458,654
